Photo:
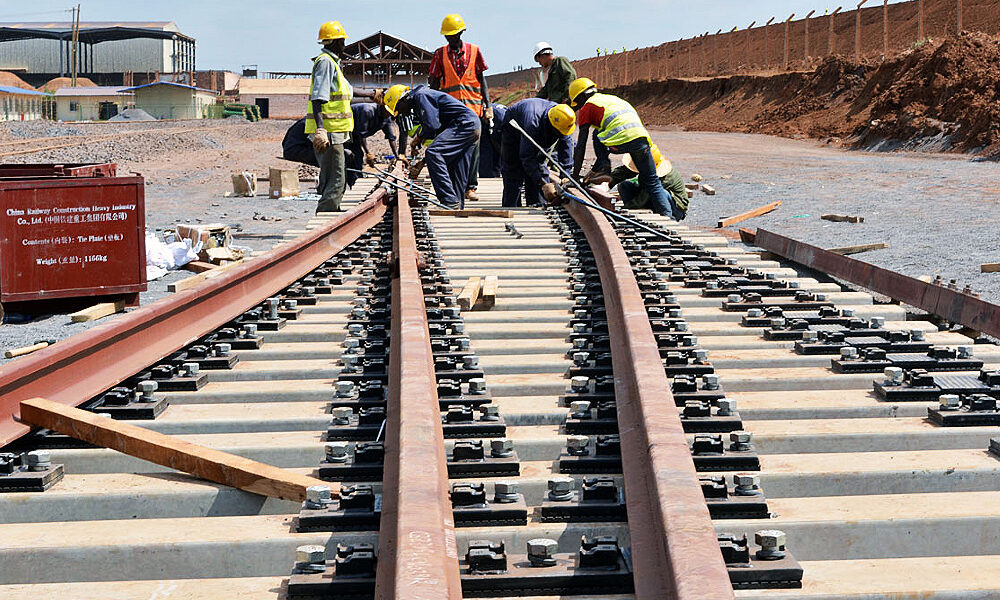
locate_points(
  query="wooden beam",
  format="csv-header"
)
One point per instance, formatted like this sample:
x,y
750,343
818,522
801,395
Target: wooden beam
x,y
989,268
709,190
858,249
760,210
491,285
471,212
98,311
199,266
843,218
213,465
190,282
470,293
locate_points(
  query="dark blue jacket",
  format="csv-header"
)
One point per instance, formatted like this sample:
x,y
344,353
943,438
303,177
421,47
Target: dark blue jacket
x,y
369,120
437,111
532,115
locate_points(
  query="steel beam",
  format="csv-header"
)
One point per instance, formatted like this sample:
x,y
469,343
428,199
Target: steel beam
x,y
75,370
418,554
951,305
675,552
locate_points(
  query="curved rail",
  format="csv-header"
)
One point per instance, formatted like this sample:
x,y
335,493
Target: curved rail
x,y
675,552
73,371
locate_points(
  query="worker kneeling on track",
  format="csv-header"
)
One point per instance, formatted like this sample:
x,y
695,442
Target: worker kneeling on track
x,y
548,124
617,130
455,130
369,119
632,193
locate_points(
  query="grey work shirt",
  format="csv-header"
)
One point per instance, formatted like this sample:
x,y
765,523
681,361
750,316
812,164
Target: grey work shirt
x,y
324,83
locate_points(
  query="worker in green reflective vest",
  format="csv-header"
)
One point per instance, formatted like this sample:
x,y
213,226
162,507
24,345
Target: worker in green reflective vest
x,y
330,121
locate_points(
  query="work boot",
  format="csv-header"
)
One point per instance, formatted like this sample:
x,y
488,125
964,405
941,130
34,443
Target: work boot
x,y
597,177
471,195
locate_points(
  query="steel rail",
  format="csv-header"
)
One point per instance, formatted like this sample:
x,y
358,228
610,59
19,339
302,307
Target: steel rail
x,y
75,370
675,551
418,554
951,305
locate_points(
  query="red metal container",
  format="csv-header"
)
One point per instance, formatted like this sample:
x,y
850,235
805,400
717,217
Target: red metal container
x,y
71,237
59,170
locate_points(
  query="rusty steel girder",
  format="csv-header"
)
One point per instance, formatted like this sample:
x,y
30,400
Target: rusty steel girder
x,y
950,305
675,552
75,370
417,551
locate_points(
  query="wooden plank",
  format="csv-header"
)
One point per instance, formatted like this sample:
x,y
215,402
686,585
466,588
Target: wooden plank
x,y
491,286
470,293
858,249
28,349
472,212
989,268
199,266
98,311
709,190
748,236
190,282
843,218
760,210
213,465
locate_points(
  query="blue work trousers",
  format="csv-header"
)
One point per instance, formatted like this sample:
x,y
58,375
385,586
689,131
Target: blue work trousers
x,y
602,156
513,173
449,161
642,156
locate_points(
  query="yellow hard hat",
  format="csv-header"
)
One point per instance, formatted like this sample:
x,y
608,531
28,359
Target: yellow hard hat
x,y
332,30
663,164
392,96
579,86
562,118
452,24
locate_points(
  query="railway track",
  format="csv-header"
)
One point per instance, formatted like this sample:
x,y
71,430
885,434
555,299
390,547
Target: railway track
x,y
535,448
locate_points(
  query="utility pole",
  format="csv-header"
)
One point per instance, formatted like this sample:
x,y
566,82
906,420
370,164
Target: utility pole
x,y
805,60
831,38
857,32
749,27
767,45
787,22
74,68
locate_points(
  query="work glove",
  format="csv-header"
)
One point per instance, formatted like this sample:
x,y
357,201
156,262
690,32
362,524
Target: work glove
x,y
488,113
321,140
415,144
370,159
551,192
414,171
377,95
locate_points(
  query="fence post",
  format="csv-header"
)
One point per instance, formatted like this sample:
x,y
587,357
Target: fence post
x,y
857,32
805,59
832,38
704,54
749,27
920,20
958,14
732,56
767,44
787,22
885,29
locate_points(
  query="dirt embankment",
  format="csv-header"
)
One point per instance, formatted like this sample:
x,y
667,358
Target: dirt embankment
x,y
942,96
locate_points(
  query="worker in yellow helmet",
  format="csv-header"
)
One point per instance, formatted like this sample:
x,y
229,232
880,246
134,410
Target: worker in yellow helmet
x,y
548,124
617,130
458,69
329,120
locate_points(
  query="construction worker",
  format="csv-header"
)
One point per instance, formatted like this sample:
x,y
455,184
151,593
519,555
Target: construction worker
x,y
490,161
557,73
458,69
296,145
633,195
330,120
549,124
455,130
369,119
617,130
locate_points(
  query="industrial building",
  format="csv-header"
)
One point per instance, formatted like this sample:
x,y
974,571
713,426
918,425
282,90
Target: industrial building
x,y
277,98
168,100
90,103
110,52
19,104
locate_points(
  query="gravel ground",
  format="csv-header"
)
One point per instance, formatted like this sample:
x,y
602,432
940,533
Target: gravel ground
x,y
939,213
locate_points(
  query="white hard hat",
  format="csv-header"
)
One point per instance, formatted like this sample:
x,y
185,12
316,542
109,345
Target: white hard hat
x,y
541,47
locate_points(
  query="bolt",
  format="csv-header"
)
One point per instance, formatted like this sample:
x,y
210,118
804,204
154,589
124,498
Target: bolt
x,y
342,415
820,297
747,484
470,361
318,497
726,407
464,343
290,304
310,559
700,355
893,375
794,284
358,312
849,353
458,327
710,381
576,445
917,335
560,488
579,343
477,385
223,349
755,313
581,313
740,439
580,358
506,492
355,329
949,401
190,369
489,412
580,383
345,388
778,323
250,330
772,544
38,460
351,358
336,452
682,326
501,448
735,298
541,552
351,343
964,351
146,389
877,322
810,337
272,308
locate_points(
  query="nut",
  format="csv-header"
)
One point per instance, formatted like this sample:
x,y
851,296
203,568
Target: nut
x,y
336,452
191,369
345,388
541,552
917,335
580,383
577,444
342,415
38,460
250,330
734,298
810,337
710,381
963,352
893,375
849,353
771,542
477,385
310,559
747,484
146,388
318,497
579,409
223,349
560,488
489,412
755,313
580,358
501,448
949,402
876,322
506,492
726,406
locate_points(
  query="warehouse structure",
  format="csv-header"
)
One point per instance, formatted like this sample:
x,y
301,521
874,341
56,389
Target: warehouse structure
x,y
383,60
90,103
19,104
277,98
169,100
39,51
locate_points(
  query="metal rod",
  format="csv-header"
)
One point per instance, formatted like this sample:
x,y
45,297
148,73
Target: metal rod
x,y
408,189
590,199
417,186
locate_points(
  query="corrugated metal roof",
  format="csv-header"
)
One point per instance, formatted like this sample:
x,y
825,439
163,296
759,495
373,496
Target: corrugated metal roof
x,y
294,85
180,85
101,90
66,25
6,89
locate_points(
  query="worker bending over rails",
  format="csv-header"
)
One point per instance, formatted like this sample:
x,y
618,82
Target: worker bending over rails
x,y
458,69
455,130
617,130
369,119
549,124
330,120
633,195
556,74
